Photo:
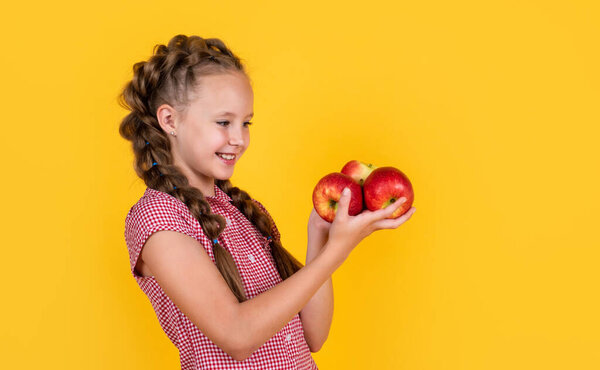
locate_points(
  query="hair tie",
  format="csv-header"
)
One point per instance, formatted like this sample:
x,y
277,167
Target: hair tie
x,y
268,238
211,57
147,143
153,164
215,241
161,174
174,187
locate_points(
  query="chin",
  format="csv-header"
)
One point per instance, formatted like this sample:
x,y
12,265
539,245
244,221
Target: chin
x,y
223,176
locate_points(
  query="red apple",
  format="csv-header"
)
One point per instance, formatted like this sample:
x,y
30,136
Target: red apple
x,y
384,186
358,170
328,192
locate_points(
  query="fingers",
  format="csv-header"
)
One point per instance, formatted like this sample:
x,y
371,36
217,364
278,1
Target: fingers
x,y
387,211
394,206
394,222
343,204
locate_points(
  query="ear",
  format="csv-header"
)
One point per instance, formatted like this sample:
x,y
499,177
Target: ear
x,y
165,114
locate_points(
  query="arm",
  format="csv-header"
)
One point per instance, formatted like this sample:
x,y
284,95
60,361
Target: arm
x,y
310,289
187,275
317,315
260,318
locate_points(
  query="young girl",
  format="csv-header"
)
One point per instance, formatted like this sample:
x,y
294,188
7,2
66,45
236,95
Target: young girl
x,y
208,256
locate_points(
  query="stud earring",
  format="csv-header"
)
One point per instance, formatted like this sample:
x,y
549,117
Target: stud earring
x,y
173,133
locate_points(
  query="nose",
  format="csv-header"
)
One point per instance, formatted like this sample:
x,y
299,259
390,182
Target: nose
x,y
236,136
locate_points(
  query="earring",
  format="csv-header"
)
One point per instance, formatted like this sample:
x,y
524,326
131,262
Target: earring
x,y
173,133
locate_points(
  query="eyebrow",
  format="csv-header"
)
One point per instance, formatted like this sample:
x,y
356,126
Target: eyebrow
x,y
233,115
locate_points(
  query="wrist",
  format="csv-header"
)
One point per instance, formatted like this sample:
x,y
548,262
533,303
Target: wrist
x,y
317,239
316,244
332,254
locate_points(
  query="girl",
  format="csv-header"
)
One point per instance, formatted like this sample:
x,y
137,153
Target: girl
x,y
208,256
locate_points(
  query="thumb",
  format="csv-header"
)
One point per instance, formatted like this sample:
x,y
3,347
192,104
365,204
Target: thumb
x,y
344,203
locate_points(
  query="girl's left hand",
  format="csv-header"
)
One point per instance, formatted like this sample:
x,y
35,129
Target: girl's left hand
x,y
317,227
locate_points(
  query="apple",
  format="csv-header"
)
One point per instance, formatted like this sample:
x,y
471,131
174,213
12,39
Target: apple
x,y
328,192
358,170
384,186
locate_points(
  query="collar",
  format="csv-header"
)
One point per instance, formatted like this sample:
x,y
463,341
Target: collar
x,y
220,195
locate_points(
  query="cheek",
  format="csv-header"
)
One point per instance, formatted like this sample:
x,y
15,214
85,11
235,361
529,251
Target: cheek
x,y
198,153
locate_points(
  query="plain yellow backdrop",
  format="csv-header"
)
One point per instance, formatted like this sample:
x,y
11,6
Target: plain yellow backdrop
x,y
490,108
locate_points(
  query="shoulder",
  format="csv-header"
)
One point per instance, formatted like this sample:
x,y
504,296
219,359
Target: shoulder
x,y
156,211
156,208
155,202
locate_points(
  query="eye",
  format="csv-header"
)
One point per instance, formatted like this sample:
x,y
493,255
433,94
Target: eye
x,y
225,123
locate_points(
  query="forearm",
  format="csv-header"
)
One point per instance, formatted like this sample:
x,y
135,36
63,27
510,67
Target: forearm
x,y
317,315
264,315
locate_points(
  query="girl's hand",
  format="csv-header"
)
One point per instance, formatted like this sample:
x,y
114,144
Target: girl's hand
x,y
318,228
346,231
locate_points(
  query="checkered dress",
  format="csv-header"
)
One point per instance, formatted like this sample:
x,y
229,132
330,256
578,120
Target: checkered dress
x,y
156,211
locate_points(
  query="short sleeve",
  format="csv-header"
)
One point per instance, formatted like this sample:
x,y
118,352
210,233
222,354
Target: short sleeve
x,y
147,216
274,231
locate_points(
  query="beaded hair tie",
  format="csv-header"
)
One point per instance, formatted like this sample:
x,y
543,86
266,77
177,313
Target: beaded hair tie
x,y
215,241
154,164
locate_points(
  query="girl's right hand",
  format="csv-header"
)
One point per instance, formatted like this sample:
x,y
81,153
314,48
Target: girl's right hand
x,y
347,231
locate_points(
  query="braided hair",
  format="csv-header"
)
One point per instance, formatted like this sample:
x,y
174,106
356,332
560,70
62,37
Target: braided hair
x,y
166,78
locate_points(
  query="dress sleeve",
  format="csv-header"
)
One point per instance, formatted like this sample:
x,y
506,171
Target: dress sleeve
x,y
148,216
274,231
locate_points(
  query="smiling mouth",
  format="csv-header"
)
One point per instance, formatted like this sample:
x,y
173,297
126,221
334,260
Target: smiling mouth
x,y
227,157
230,162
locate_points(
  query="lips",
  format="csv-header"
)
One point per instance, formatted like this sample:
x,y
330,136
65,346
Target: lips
x,y
229,162
228,154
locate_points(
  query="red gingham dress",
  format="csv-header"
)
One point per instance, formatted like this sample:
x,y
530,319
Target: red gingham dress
x,y
156,211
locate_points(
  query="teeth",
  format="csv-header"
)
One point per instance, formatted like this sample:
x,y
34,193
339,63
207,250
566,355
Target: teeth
x,y
226,156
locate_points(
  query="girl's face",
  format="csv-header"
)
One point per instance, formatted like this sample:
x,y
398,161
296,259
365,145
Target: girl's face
x,y
216,121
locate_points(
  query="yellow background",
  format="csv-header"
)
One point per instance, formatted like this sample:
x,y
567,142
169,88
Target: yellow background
x,y
489,107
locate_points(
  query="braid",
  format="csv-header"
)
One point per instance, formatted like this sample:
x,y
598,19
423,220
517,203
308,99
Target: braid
x,y
166,78
285,262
